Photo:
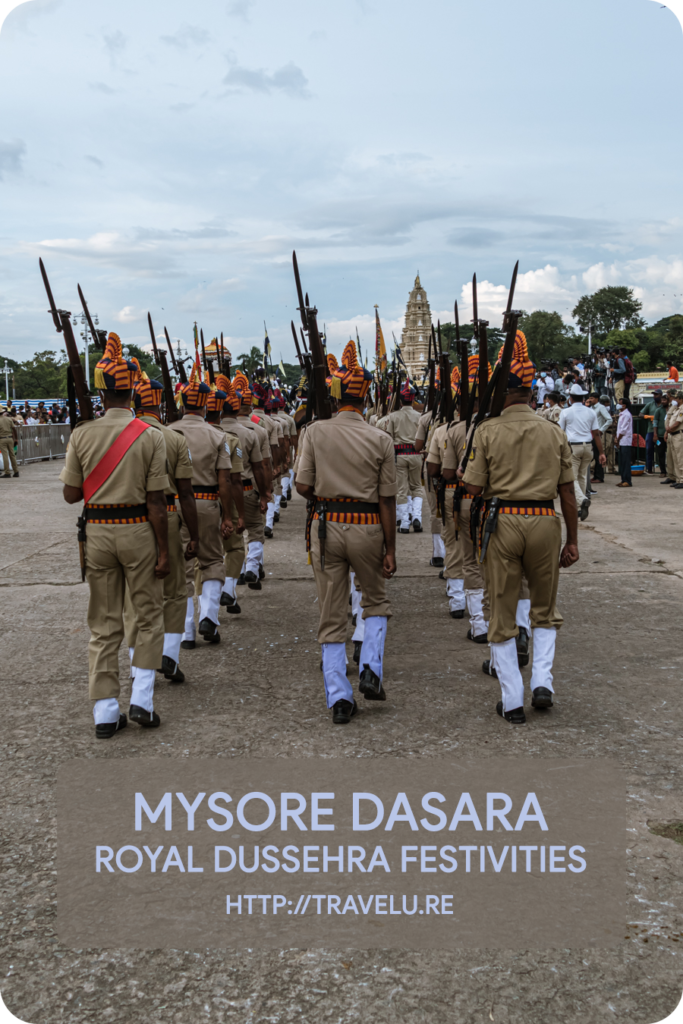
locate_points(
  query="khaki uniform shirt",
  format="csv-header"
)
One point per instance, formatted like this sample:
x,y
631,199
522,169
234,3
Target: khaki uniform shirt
x,y
519,456
447,445
261,434
423,425
552,414
272,427
347,458
402,425
674,419
142,468
178,465
5,426
288,424
249,444
208,448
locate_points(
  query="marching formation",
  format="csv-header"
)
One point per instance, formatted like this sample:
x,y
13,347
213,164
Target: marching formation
x,y
183,483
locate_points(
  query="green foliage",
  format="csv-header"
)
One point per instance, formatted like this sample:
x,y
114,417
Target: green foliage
x,y
494,336
43,376
548,337
609,309
249,362
147,364
641,360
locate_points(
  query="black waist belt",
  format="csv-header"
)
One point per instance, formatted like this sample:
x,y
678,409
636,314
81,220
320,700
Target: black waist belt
x,y
116,515
580,442
170,502
405,449
513,503
350,505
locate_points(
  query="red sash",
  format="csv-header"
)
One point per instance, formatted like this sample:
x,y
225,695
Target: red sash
x,y
111,458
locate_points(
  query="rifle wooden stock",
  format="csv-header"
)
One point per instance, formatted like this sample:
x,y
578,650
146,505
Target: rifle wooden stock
x,y
171,408
62,321
309,321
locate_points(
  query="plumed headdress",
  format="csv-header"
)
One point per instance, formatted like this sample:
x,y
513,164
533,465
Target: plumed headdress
x,y
261,391
407,392
113,372
240,383
350,380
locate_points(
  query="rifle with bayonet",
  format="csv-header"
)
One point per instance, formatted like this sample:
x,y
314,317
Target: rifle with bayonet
x,y
309,314
160,360
62,321
170,349
201,335
463,355
99,337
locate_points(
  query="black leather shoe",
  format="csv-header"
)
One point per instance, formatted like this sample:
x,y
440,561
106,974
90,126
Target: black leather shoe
x,y
343,711
441,575
276,517
541,698
522,642
417,526
283,503
241,582
188,645
583,509
514,717
147,719
676,487
488,669
437,562
227,601
458,615
261,572
667,481
268,532
106,730
481,638
15,474
234,609
208,630
171,670
250,577
357,646
255,586
404,531
370,685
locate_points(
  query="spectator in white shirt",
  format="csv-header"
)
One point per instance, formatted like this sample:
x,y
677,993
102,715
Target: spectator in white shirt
x,y
604,420
625,441
581,426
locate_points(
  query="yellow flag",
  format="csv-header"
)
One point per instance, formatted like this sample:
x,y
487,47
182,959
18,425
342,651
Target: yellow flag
x,y
380,347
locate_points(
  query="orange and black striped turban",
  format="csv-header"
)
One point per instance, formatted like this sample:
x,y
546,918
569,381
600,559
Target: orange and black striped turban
x,y
113,372
232,400
350,380
241,385
195,393
522,370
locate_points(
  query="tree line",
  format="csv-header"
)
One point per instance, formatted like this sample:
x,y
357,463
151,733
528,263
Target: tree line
x,y
612,315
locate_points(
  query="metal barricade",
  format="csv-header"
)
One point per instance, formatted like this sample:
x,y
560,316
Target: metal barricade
x,y
42,442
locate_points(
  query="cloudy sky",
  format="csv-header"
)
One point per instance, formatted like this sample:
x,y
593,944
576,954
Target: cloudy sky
x,y
169,155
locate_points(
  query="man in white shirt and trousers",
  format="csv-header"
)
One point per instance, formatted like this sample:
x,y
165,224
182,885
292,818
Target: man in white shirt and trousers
x,y
581,426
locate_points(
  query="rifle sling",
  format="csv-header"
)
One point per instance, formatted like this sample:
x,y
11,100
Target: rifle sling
x,y
98,476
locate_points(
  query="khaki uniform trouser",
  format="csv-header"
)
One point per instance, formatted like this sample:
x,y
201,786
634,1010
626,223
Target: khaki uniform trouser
x,y
523,546
619,387
582,456
609,451
431,500
408,471
210,559
233,548
360,548
670,467
120,560
175,590
8,456
473,572
253,517
675,446
454,550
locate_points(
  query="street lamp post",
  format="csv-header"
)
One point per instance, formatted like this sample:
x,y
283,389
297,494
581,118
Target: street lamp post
x,y
86,344
6,381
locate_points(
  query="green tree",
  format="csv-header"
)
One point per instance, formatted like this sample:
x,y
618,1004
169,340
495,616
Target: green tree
x,y
43,376
249,362
147,364
548,337
609,309
494,336
644,342
670,331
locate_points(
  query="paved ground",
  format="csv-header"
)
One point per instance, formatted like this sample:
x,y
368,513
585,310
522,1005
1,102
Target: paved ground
x,y
618,673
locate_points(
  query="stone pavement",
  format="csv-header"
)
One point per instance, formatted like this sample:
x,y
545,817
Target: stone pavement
x,y
618,676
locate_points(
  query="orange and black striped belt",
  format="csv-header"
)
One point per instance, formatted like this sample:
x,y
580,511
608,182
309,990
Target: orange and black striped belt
x,y
116,515
206,493
405,449
248,485
528,508
349,511
170,502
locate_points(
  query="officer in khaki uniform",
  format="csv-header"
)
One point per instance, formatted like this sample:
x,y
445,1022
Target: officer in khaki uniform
x,y
252,482
8,439
454,572
256,536
401,426
148,395
673,435
347,470
211,469
126,540
262,411
292,439
423,436
524,461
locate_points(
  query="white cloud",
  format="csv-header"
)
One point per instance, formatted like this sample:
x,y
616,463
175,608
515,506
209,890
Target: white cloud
x,y
129,315
11,157
187,35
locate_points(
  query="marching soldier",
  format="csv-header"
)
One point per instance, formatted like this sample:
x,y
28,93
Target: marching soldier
x,y
211,469
401,426
348,474
148,395
253,483
519,463
254,560
426,425
263,409
233,546
117,465
291,440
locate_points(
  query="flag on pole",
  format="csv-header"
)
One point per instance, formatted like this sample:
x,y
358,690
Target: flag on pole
x,y
380,347
266,345
282,369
